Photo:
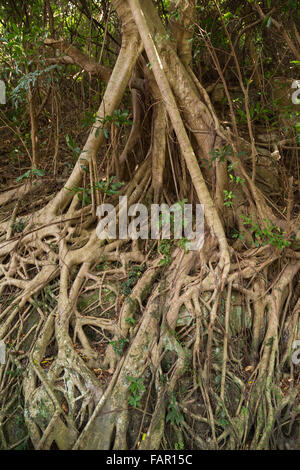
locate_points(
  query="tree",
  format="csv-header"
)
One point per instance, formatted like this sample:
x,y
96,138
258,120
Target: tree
x,y
220,322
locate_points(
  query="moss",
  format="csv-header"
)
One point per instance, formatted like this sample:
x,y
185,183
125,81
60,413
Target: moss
x,y
15,428
85,301
146,291
133,306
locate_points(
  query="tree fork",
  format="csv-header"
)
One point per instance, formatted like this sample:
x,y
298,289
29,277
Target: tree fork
x,y
203,194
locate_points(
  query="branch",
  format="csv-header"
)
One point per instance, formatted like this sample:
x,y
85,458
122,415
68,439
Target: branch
x,y
85,10
282,30
75,56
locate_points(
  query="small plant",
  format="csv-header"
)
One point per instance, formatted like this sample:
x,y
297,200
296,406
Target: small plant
x,y
121,117
176,14
236,235
133,276
270,235
236,179
30,173
220,154
179,445
221,412
257,113
184,243
165,245
174,415
165,249
232,166
130,321
136,389
222,420
73,146
27,81
108,187
83,194
118,118
102,266
119,345
18,372
19,226
228,197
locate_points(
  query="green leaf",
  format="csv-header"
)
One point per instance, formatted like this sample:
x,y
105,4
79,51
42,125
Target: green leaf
x,y
25,175
162,262
37,172
265,21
